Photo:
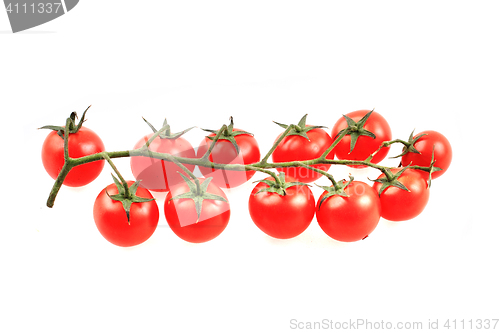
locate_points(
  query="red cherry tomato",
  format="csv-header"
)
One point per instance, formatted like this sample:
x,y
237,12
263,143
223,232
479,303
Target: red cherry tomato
x,y
402,205
365,145
351,218
298,148
432,140
224,152
182,217
158,175
111,219
82,143
282,216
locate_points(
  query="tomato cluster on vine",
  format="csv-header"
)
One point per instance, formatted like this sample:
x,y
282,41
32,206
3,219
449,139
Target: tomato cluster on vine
x,y
281,205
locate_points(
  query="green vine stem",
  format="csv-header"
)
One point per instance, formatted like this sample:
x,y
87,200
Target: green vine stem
x,y
187,171
275,145
214,141
115,169
261,166
324,173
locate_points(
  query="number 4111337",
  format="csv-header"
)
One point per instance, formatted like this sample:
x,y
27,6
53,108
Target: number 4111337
x,y
40,8
471,324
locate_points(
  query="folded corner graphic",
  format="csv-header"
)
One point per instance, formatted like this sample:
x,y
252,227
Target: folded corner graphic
x,y
26,14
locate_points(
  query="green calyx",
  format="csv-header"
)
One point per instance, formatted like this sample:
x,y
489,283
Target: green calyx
x,y
432,168
126,195
198,193
278,185
391,179
300,129
335,190
410,148
72,128
228,134
410,145
165,130
355,129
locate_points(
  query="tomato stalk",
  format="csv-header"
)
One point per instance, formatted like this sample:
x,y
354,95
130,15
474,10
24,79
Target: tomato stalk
x,y
154,136
261,166
186,170
123,181
324,173
212,145
335,143
67,166
275,145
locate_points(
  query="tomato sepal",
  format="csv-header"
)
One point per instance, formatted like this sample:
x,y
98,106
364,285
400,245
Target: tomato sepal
x,y
337,189
300,129
355,129
127,199
228,134
391,179
165,132
409,147
72,128
278,187
432,168
198,194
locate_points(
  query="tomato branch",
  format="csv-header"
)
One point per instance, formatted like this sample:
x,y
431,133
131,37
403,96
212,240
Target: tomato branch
x,y
324,173
275,145
261,166
212,145
67,166
123,181
337,140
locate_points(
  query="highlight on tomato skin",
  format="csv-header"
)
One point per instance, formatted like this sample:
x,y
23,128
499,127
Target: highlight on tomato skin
x,y
82,143
349,218
111,220
182,217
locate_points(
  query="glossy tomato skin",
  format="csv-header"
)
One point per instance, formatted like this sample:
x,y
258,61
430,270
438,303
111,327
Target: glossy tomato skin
x,y
84,142
182,218
401,205
157,175
225,153
352,218
365,145
282,217
442,153
111,219
298,148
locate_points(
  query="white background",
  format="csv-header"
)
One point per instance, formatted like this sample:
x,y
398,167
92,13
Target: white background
x,y
422,65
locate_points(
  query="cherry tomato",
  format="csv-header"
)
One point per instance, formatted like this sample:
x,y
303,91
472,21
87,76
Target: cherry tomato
x,y
111,219
158,175
181,214
365,145
298,148
282,216
224,152
429,141
82,143
399,204
349,218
